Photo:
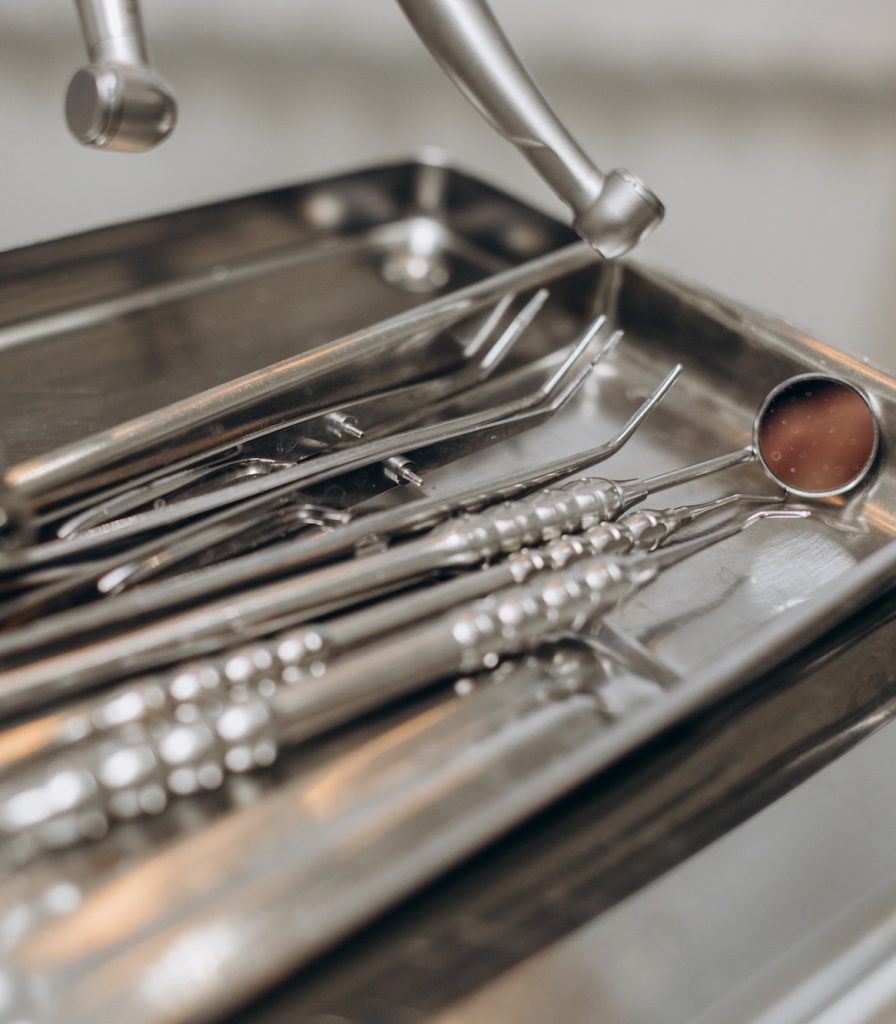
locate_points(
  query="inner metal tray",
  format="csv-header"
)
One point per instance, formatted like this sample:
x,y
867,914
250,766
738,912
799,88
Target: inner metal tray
x,y
186,916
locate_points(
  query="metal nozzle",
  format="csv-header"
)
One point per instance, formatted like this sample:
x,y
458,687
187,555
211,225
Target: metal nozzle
x,y
612,212
624,212
117,101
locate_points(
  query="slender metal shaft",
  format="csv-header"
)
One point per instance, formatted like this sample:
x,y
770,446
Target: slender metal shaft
x,y
148,492
673,477
117,101
399,468
232,527
96,526
292,556
612,212
113,31
482,353
262,491
280,487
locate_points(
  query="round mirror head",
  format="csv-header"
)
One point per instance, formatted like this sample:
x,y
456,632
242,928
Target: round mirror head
x,y
817,436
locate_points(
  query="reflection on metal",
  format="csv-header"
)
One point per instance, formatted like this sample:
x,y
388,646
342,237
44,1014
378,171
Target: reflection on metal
x,y
117,102
276,599
196,424
298,652
238,731
360,808
88,665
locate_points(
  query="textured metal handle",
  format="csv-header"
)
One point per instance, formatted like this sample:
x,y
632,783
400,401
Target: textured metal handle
x,y
285,659
130,776
520,618
184,731
195,748
231,715
536,519
612,212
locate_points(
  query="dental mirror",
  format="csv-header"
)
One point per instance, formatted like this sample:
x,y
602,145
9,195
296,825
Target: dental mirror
x,y
816,436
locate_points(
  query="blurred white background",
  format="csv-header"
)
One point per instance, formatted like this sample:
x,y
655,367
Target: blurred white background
x,y
768,127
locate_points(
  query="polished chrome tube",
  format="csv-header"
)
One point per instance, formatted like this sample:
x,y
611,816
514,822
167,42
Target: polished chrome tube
x,y
117,101
612,212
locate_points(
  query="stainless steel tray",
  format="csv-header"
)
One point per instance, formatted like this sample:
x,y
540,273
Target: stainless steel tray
x,y
184,917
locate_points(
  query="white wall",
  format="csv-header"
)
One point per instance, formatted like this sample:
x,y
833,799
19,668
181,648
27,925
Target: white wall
x,y
769,128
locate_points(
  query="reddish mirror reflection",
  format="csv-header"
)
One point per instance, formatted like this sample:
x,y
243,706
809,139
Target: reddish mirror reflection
x,y
817,436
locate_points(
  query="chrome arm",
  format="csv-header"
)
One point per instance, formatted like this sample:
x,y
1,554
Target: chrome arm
x,y
611,211
117,101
